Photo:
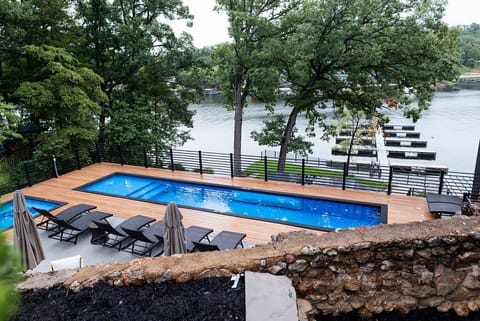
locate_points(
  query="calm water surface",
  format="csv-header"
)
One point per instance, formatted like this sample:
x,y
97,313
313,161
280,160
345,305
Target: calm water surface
x,y
451,127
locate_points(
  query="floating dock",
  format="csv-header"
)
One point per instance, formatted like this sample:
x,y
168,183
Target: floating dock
x,y
402,134
391,141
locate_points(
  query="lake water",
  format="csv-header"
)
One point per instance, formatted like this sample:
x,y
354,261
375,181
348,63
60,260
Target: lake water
x,y
451,128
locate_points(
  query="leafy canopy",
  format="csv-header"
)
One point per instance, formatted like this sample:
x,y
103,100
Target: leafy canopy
x,y
62,96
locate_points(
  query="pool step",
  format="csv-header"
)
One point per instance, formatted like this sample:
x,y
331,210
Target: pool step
x,y
145,190
269,298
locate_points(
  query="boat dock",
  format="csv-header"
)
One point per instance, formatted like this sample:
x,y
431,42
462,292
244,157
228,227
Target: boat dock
x,y
391,141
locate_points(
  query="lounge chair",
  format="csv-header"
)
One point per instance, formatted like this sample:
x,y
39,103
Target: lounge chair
x,y
70,231
441,198
444,204
196,234
68,214
225,240
103,233
152,236
145,240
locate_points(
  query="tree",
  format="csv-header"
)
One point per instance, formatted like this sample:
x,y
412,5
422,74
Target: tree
x,y
271,135
361,53
354,120
11,41
142,63
61,96
243,64
470,45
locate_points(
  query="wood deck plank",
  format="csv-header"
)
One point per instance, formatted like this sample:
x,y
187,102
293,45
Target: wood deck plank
x,y
401,209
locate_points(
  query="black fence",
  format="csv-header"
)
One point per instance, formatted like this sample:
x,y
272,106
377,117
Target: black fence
x,y
406,180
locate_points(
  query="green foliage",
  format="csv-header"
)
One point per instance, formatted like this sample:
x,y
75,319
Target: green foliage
x,y
470,45
245,64
148,72
206,170
353,119
177,167
257,169
271,136
361,53
62,96
8,121
9,274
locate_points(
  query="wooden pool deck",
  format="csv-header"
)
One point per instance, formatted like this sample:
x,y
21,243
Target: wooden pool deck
x,y
401,209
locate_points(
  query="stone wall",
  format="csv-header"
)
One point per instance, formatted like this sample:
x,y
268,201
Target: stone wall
x,y
384,268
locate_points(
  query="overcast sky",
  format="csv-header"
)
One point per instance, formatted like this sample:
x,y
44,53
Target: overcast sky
x,y
210,27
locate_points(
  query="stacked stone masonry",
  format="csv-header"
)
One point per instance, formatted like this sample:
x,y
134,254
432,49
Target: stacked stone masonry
x,y
371,270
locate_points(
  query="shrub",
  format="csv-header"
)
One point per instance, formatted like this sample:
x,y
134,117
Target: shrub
x,y
9,274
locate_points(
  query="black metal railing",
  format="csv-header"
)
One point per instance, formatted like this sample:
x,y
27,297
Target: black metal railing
x,y
406,180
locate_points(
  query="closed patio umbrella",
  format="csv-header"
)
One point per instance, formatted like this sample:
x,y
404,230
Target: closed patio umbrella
x,y
174,232
25,234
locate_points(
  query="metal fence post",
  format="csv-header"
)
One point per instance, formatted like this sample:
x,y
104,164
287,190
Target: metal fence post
x,y
303,171
54,166
120,154
440,185
99,158
171,160
231,165
344,178
390,179
77,157
265,167
145,160
475,194
27,174
200,161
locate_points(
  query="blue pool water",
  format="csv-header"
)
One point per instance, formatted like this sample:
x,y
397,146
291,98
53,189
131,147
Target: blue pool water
x,y
279,208
6,209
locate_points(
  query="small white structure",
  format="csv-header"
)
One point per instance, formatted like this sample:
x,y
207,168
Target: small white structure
x,y
72,262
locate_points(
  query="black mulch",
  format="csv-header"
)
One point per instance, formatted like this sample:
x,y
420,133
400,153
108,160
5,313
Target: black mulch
x,y
206,299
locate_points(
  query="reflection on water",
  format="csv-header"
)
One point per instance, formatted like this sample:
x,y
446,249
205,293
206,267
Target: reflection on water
x,y
451,127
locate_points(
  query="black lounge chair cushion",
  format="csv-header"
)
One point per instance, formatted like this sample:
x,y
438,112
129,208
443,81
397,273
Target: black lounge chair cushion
x,y
82,222
440,198
444,204
150,236
68,214
103,233
446,208
225,240
133,223
69,231
204,247
193,234
196,234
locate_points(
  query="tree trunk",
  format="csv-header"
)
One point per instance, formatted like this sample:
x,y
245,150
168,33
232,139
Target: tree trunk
x,y
237,133
287,134
350,146
4,92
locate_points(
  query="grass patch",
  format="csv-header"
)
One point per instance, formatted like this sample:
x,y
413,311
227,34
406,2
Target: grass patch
x,y
257,169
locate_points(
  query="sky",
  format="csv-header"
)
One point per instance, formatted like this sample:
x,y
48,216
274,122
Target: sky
x,y
210,27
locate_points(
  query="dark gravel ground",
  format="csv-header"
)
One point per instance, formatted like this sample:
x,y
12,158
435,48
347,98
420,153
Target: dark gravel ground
x,y
206,299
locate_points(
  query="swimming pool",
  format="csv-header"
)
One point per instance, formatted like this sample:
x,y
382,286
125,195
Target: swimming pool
x,y
6,209
310,212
